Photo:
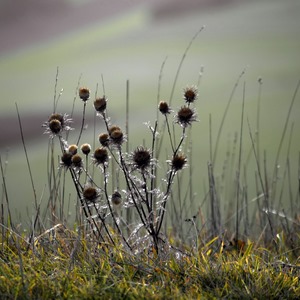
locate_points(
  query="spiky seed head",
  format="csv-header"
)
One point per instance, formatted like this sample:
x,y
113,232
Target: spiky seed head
x,y
55,126
178,162
57,123
116,198
104,139
73,149
164,107
100,104
141,158
76,161
185,116
190,94
57,116
117,136
113,128
85,149
66,159
100,156
84,93
90,194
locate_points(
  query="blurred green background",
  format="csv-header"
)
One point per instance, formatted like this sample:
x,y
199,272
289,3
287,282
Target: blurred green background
x,y
129,40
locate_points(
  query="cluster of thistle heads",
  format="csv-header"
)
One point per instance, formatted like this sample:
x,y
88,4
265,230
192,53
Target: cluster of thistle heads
x,y
111,141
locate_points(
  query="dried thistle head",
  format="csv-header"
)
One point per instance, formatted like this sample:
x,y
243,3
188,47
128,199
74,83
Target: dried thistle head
x,y
57,116
185,116
73,149
190,94
84,94
85,149
116,198
66,160
116,135
141,158
77,161
104,139
113,128
100,156
178,162
55,126
90,194
100,104
57,123
164,107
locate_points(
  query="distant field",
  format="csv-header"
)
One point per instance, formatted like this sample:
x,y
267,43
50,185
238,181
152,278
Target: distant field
x,y
261,36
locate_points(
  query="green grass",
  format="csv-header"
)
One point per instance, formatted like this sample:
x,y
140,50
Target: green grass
x,y
68,266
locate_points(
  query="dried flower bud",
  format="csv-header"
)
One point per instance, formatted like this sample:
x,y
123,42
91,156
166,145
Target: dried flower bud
x,y
84,93
90,194
55,126
66,159
178,162
57,116
100,104
185,116
116,135
190,94
100,156
104,139
141,158
113,128
116,198
85,149
164,107
57,123
77,161
73,149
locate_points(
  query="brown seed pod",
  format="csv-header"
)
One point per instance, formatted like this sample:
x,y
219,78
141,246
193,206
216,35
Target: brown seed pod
x,y
190,94
185,116
178,162
90,194
85,149
84,94
164,107
100,156
116,198
100,104
66,159
141,158
73,149
76,161
55,126
104,139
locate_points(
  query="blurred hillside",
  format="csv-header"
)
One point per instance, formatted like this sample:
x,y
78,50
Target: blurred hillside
x,y
24,22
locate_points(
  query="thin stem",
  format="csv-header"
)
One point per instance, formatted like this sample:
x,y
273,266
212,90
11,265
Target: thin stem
x,y
169,133
27,159
282,137
239,166
181,63
165,198
55,88
110,208
258,120
82,124
225,115
153,167
5,192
